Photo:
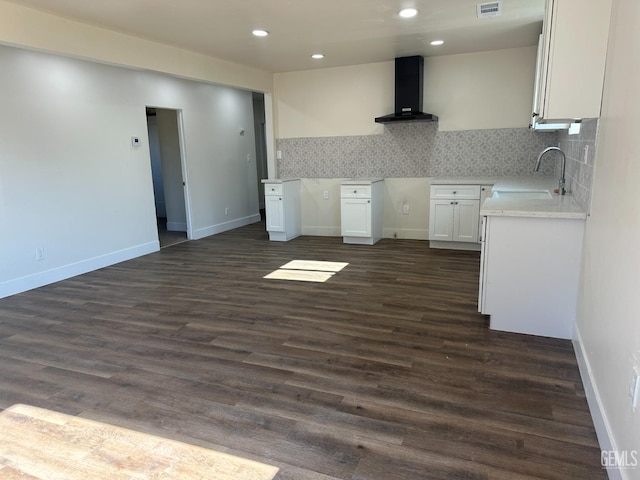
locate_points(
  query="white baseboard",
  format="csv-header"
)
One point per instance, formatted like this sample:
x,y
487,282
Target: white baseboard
x,y
223,227
29,282
176,226
404,233
600,421
475,247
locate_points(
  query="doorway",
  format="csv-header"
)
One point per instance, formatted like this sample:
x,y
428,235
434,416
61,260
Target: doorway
x,y
259,125
165,147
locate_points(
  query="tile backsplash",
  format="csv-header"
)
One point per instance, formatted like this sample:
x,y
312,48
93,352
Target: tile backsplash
x,y
580,151
416,150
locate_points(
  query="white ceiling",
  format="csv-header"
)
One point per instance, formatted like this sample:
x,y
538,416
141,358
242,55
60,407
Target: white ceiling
x,y
348,32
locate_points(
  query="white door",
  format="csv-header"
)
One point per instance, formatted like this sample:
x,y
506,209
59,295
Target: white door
x,y
465,221
356,217
441,220
274,207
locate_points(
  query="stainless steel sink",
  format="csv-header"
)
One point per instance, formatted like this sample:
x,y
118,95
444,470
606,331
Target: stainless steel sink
x,y
523,194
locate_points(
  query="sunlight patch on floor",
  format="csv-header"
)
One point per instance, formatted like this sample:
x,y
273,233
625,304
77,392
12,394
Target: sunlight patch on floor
x,y
307,271
43,444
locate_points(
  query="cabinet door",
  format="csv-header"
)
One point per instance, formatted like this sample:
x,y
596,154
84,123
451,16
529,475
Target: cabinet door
x,y
274,207
356,217
575,38
465,221
441,220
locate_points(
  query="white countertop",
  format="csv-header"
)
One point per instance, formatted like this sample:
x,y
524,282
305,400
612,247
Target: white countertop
x,y
559,206
279,180
464,180
361,181
530,181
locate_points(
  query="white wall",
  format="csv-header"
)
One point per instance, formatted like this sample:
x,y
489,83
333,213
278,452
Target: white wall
x,y
38,30
330,102
72,184
481,90
321,216
473,91
608,327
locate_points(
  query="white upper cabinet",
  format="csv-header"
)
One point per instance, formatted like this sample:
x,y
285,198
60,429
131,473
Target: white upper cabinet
x,y
571,60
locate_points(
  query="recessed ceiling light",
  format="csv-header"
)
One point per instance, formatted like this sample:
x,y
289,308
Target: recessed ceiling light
x,y
260,33
317,56
437,42
408,12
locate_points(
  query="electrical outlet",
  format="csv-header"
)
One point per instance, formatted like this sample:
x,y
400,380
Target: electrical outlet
x,y
226,211
325,194
248,157
279,154
39,253
405,209
586,153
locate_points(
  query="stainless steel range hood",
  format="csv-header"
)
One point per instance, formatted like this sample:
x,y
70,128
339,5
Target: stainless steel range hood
x,y
408,92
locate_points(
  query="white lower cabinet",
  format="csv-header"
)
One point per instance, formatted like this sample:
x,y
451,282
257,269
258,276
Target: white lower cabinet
x,y
529,274
355,217
282,209
361,211
454,216
274,209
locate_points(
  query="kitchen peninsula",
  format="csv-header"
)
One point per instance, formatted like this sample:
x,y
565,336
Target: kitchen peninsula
x,y
530,262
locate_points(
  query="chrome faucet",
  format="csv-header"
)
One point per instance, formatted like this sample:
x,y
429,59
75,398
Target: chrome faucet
x,y
561,183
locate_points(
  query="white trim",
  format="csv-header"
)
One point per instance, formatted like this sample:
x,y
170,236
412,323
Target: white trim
x,y
269,133
223,227
47,277
185,176
454,245
594,400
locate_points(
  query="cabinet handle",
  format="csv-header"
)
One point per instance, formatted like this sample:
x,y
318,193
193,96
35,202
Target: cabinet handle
x,y
280,198
355,191
453,203
455,193
368,201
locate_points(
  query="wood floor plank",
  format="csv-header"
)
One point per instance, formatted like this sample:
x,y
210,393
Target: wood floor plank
x,y
384,372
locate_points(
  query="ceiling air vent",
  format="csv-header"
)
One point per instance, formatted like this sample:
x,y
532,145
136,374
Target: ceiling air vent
x,y
491,9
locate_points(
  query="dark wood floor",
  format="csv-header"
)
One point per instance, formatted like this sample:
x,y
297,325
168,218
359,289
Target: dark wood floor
x,y
386,371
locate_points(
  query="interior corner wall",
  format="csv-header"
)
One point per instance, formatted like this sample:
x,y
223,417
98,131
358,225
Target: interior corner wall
x,y
476,91
608,329
75,195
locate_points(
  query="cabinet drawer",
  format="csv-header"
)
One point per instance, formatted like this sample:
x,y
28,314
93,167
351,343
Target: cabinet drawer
x,y
355,191
273,189
459,192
